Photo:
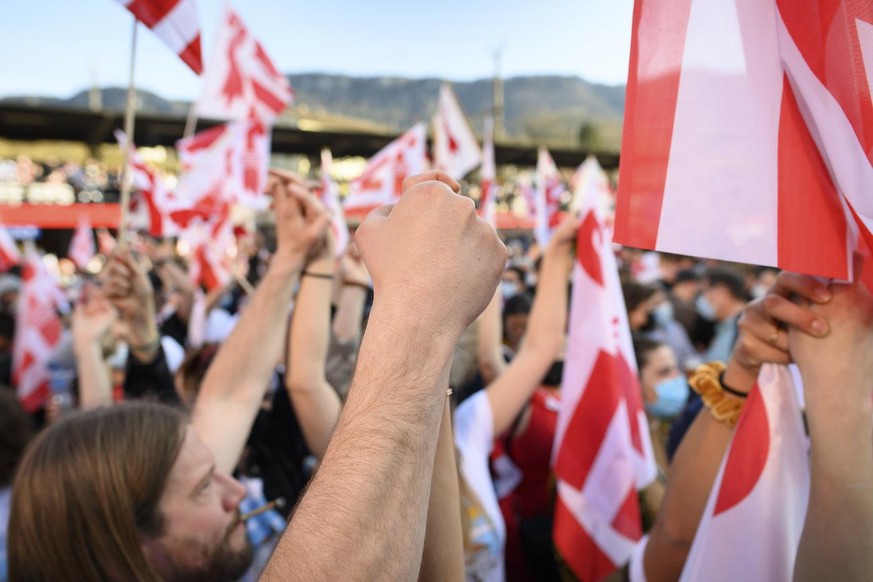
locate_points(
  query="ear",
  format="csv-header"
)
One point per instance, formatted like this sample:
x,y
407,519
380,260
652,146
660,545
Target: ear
x,y
157,556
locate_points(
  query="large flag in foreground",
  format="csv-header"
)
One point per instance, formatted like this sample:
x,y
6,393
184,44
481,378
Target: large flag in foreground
x,y
241,81
455,149
749,131
382,179
39,331
603,453
175,22
758,503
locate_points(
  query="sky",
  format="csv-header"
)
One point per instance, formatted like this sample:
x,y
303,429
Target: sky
x,y
59,47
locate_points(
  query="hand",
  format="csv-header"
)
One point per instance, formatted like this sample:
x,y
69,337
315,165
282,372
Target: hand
x,y
352,269
127,287
838,368
762,336
564,236
301,220
93,318
431,258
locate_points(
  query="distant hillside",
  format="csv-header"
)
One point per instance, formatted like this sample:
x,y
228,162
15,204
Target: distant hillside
x,y
544,109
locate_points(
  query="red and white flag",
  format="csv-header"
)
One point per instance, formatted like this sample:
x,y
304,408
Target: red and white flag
x,y
455,149
39,331
241,81
488,176
82,247
547,197
228,162
330,198
9,253
382,179
590,180
748,132
209,258
175,22
758,503
603,453
105,242
151,203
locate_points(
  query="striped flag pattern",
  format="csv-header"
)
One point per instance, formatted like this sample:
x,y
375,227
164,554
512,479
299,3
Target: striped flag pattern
x,y
749,132
9,253
175,22
330,198
488,176
455,149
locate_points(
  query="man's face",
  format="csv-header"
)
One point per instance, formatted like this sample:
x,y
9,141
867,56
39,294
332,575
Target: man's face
x,y
203,537
515,326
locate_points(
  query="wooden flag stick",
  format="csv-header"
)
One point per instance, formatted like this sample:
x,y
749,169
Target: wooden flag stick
x,y
191,122
129,115
244,283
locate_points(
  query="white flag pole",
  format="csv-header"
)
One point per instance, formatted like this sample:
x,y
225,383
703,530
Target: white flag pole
x,y
129,116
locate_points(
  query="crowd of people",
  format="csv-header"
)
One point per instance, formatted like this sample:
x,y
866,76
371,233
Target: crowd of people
x,y
390,414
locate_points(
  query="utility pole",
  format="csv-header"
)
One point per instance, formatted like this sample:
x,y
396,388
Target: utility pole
x,y
497,97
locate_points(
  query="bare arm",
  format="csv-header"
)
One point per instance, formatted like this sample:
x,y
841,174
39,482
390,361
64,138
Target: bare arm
x,y
235,384
170,271
545,332
363,517
93,317
316,403
489,354
695,466
837,539
353,296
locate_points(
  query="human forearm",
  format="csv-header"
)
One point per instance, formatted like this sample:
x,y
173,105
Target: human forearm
x,y
315,402
548,315
347,321
489,355
443,557
95,385
368,502
231,393
841,464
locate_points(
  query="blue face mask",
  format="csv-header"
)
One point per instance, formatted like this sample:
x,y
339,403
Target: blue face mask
x,y
508,289
672,395
704,308
663,314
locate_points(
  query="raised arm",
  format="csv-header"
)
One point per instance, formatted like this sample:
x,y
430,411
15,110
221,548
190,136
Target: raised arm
x,y
837,539
363,517
545,332
489,331
695,466
316,403
93,317
354,280
235,384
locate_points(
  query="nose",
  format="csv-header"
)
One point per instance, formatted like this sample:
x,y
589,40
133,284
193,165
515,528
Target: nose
x,y
233,491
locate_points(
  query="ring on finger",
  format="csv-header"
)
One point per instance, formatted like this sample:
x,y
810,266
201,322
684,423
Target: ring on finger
x,y
774,337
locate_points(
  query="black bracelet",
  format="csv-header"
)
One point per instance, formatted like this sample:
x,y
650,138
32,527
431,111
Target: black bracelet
x,y
729,390
318,275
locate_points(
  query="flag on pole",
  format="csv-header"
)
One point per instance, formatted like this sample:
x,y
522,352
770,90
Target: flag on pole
x,y
455,149
9,253
748,133
82,248
488,176
382,179
590,180
105,242
39,331
229,161
241,81
547,196
150,192
757,506
175,22
330,199
209,262
603,452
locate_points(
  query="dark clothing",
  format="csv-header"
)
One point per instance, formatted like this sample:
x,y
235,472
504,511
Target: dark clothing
x,y
150,381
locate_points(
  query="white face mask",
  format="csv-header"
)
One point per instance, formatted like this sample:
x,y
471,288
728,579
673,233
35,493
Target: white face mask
x,y
758,291
704,308
508,289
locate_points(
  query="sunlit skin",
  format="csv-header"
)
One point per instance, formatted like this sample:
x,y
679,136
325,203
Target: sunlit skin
x,y
660,365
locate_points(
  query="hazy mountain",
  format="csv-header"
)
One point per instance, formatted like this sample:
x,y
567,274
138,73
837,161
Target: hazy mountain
x,y
545,109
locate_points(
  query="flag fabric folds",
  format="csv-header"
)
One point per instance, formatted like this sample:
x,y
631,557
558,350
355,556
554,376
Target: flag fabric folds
x,y
9,253
382,179
38,330
758,502
488,176
455,149
330,198
241,82
547,196
603,452
82,247
175,22
748,132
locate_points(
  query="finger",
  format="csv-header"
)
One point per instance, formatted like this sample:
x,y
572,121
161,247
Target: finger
x,y
432,175
309,204
285,176
380,212
784,311
810,288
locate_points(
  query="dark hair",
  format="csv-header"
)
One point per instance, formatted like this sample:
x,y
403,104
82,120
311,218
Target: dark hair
x,y
635,294
686,275
522,276
642,348
519,304
87,493
15,431
731,279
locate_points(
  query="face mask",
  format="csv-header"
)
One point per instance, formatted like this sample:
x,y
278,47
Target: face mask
x,y
704,308
758,291
672,395
663,314
508,289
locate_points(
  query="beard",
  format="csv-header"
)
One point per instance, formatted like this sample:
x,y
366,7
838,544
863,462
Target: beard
x,y
218,564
